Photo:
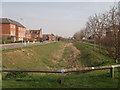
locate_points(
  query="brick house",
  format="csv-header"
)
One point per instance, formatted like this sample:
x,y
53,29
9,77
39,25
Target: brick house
x,y
27,35
50,37
36,34
12,30
112,31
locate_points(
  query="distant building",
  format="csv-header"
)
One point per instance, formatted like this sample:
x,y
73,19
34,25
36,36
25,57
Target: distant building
x,y
12,30
112,31
36,34
27,35
50,37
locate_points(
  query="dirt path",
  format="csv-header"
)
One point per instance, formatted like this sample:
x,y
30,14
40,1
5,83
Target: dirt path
x,y
71,56
67,56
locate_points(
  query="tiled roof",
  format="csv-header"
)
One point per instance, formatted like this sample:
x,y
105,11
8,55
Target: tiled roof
x,y
9,21
35,31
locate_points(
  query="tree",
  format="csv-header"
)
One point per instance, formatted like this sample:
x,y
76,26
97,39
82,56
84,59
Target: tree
x,y
105,30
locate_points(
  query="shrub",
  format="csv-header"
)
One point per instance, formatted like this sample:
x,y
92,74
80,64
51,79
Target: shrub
x,y
18,41
16,75
6,42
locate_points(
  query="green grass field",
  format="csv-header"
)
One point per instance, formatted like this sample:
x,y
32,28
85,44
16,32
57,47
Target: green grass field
x,y
91,56
43,58
40,56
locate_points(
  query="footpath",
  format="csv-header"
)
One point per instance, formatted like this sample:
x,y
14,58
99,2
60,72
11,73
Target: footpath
x,y
18,45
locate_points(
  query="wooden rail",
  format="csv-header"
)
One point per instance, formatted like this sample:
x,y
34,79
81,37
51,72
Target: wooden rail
x,y
62,71
59,70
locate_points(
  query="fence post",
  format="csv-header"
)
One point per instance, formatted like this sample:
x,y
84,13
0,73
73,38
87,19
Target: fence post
x,y
62,76
112,72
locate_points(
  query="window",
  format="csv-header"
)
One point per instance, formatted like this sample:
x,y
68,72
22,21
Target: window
x,y
14,32
10,26
19,28
13,26
10,32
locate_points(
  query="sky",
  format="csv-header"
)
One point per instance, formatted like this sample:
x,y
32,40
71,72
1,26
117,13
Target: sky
x,y
59,18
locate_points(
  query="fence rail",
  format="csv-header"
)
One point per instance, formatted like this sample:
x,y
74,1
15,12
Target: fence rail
x,y
62,71
59,70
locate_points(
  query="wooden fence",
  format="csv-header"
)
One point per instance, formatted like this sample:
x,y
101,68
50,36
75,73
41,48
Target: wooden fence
x,y
62,71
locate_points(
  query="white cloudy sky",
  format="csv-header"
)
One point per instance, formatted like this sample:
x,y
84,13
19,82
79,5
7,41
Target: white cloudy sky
x,y
60,18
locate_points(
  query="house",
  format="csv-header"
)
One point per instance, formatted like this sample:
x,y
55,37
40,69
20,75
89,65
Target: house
x,y
36,34
12,30
27,35
50,37
113,31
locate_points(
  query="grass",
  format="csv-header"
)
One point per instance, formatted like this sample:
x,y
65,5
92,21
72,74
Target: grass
x,y
94,79
90,56
40,56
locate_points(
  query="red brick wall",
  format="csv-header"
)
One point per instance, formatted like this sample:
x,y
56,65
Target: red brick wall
x,y
13,30
27,35
16,33
36,34
20,33
6,29
49,37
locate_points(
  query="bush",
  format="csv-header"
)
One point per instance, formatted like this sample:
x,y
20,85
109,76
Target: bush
x,y
31,40
18,41
6,42
16,75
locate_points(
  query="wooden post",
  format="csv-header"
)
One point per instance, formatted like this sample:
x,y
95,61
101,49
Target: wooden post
x,y
112,72
62,76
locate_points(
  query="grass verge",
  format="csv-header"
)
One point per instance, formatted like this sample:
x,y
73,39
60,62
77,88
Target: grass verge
x,y
93,79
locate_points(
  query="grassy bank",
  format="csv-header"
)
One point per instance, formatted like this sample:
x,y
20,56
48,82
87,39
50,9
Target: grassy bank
x,y
40,56
87,80
94,79
89,56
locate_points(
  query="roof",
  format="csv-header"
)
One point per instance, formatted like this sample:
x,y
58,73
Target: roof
x,y
49,34
35,30
10,21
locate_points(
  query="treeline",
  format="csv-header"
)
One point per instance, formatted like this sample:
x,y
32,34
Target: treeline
x,y
104,30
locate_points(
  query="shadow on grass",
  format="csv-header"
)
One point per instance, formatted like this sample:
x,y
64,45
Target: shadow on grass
x,y
50,80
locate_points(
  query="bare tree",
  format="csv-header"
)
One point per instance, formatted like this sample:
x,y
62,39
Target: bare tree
x,y
105,30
